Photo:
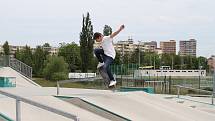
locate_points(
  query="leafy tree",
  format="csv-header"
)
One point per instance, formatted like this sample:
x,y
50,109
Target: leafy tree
x,y
71,54
39,58
117,59
6,48
86,43
46,45
55,68
107,30
25,55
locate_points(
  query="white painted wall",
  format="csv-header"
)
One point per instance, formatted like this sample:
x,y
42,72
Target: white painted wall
x,y
170,73
81,75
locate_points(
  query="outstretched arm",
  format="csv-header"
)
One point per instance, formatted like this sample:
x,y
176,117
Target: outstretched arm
x,y
117,32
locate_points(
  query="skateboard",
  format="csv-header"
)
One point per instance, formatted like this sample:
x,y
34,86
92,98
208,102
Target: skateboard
x,y
106,78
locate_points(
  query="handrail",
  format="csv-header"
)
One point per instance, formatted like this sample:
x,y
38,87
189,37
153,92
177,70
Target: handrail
x,y
39,105
21,67
193,88
180,86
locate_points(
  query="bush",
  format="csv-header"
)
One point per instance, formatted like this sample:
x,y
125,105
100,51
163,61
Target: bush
x,y
55,68
59,76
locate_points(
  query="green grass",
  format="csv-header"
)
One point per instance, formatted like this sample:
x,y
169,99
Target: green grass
x,y
89,85
44,83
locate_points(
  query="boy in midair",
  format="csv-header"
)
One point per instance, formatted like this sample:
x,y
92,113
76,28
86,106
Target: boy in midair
x,y
106,54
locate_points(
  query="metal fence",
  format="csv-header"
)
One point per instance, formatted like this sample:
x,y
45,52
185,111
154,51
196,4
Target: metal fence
x,y
179,87
163,84
24,69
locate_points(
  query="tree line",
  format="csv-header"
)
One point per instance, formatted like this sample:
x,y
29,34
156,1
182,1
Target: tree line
x,y
73,57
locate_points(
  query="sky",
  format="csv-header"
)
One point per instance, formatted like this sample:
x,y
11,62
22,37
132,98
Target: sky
x,y
34,22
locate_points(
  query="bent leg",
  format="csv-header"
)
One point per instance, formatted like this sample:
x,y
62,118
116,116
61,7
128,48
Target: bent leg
x,y
99,53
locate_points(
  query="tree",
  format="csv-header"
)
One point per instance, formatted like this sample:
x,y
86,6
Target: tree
x,y
6,48
46,45
86,43
177,61
202,63
39,58
107,30
17,54
166,60
126,58
25,55
135,56
117,60
55,68
71,54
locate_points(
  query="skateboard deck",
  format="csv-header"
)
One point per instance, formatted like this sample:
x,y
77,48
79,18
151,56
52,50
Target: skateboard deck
x,y
104,75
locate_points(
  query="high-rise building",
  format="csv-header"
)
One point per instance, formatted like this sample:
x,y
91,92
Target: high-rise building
x,y
168,47
125,47
148,46
158,51
187,47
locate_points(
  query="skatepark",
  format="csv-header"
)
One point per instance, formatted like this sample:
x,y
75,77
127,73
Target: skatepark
x,y
96,105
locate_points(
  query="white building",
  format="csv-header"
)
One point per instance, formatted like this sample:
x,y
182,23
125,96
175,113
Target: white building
x,y
125,47
51,50
147,46
12,48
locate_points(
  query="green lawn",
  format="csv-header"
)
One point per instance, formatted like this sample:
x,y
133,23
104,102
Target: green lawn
x,y
90,85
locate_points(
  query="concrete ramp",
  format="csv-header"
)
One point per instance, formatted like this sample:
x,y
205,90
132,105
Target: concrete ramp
x,y
136,106
140,106
32,113
101,105
95,109
21,81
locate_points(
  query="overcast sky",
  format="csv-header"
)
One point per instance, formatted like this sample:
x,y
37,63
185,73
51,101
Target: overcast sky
x,y
34,22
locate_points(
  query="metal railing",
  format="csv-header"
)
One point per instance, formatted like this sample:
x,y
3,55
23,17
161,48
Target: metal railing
x,y
200,90
39,105
22,68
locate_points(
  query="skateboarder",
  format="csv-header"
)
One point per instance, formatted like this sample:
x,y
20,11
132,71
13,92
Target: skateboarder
x,y
106,53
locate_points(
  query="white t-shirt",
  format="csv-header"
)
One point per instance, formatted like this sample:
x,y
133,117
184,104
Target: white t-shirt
x,y
107,45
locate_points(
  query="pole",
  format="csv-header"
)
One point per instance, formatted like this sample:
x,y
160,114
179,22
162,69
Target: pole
x,y
139,57
18,110
178,92
213,88
154,62
170,83
172,62
58,86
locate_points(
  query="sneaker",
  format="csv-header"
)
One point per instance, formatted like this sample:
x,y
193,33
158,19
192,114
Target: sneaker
x,y
100,65
112,83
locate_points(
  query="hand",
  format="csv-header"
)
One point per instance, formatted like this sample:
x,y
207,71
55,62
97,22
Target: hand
x,y
122,27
